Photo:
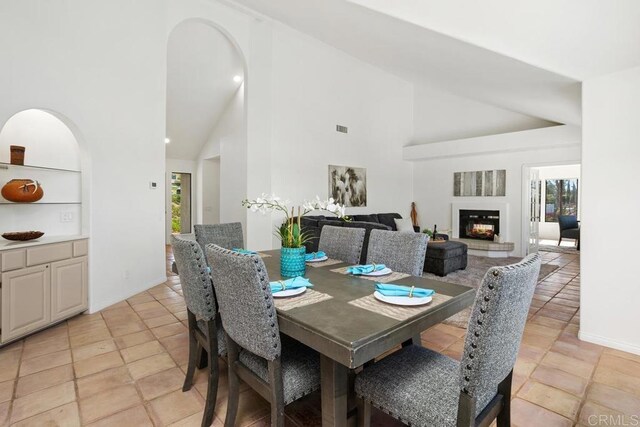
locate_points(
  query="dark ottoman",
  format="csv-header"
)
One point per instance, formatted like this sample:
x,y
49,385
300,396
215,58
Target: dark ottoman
x,y
446,257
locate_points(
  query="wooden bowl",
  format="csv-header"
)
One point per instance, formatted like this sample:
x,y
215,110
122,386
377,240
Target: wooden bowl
x,y
23,235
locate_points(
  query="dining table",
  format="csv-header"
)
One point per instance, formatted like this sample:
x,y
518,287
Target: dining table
x,y
340,319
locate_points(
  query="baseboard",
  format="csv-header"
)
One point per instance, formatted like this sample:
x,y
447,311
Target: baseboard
x,y
597,339
99,305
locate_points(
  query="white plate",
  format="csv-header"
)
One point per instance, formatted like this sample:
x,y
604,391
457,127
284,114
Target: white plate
x,y
322,258
289,293
402,300
385,271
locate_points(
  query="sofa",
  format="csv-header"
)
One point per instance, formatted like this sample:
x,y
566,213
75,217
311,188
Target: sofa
x,y
441,258
312,225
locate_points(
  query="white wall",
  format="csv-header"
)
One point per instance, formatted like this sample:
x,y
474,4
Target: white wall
x,y
442,116
315,87
183,166
211,191
104,75
609,293
228,142
101,66
550,230
433,175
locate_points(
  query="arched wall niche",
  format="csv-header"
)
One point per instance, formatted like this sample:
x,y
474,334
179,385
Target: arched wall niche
x,y
56,156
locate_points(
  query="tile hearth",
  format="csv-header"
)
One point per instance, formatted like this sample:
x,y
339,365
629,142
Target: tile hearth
x,y
125,366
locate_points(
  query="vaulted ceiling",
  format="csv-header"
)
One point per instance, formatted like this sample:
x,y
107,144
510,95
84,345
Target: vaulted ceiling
x,y
526,57
575,38
201,66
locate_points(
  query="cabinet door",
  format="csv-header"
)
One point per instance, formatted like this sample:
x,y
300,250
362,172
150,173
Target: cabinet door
x,y
26,301
68,287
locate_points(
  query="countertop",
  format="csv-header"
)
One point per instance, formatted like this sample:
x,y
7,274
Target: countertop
x,y
44,240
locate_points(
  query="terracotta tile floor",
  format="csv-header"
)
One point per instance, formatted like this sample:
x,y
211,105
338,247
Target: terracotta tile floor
x,y
125,366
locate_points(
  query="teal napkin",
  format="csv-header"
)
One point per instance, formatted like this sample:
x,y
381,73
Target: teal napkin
x,y
295,283
244,251
314,255
390,290
365,269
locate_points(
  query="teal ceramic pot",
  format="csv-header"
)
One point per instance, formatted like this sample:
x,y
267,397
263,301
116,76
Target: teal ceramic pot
x,y
292,262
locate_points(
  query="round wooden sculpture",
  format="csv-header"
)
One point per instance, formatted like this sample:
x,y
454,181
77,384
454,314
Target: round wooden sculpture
x,y
22,191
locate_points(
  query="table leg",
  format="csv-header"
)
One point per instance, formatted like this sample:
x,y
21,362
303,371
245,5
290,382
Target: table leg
x,y
415,340
335,389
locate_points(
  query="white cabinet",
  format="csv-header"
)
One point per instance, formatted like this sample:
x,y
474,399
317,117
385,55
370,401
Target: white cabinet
x,y
36,296
68,287
25,301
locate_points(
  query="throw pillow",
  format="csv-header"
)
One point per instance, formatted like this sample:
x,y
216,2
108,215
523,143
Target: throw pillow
x,y
404,225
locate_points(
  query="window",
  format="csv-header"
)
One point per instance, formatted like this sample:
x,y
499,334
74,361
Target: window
x,y
561,198
180,202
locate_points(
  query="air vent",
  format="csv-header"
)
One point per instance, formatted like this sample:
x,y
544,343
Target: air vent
x,y
342,129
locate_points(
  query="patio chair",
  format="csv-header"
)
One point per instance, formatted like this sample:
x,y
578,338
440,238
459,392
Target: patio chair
x,y
569,228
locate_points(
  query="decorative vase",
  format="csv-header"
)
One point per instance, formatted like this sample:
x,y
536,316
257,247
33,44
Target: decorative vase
x,y
17,154
22,191
292,262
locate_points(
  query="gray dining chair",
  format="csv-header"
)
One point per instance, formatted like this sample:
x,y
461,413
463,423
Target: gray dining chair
x,y
204,331
228,235
280,369
421,387
401,252
342,243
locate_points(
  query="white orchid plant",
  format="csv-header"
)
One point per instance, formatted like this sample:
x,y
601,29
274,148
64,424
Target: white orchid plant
x,y
290,232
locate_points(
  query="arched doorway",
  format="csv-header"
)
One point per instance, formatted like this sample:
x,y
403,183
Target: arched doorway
x,y
205,128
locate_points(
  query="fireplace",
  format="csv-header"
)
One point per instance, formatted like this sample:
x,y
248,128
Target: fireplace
x,y
479,224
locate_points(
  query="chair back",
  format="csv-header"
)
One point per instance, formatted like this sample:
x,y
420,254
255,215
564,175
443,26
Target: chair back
x,y
567,222
244,297
342,243
495,328
401,252
228,236
194,277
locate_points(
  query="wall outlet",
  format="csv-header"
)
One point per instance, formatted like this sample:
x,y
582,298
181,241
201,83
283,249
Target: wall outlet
x,y
66,216
153,185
